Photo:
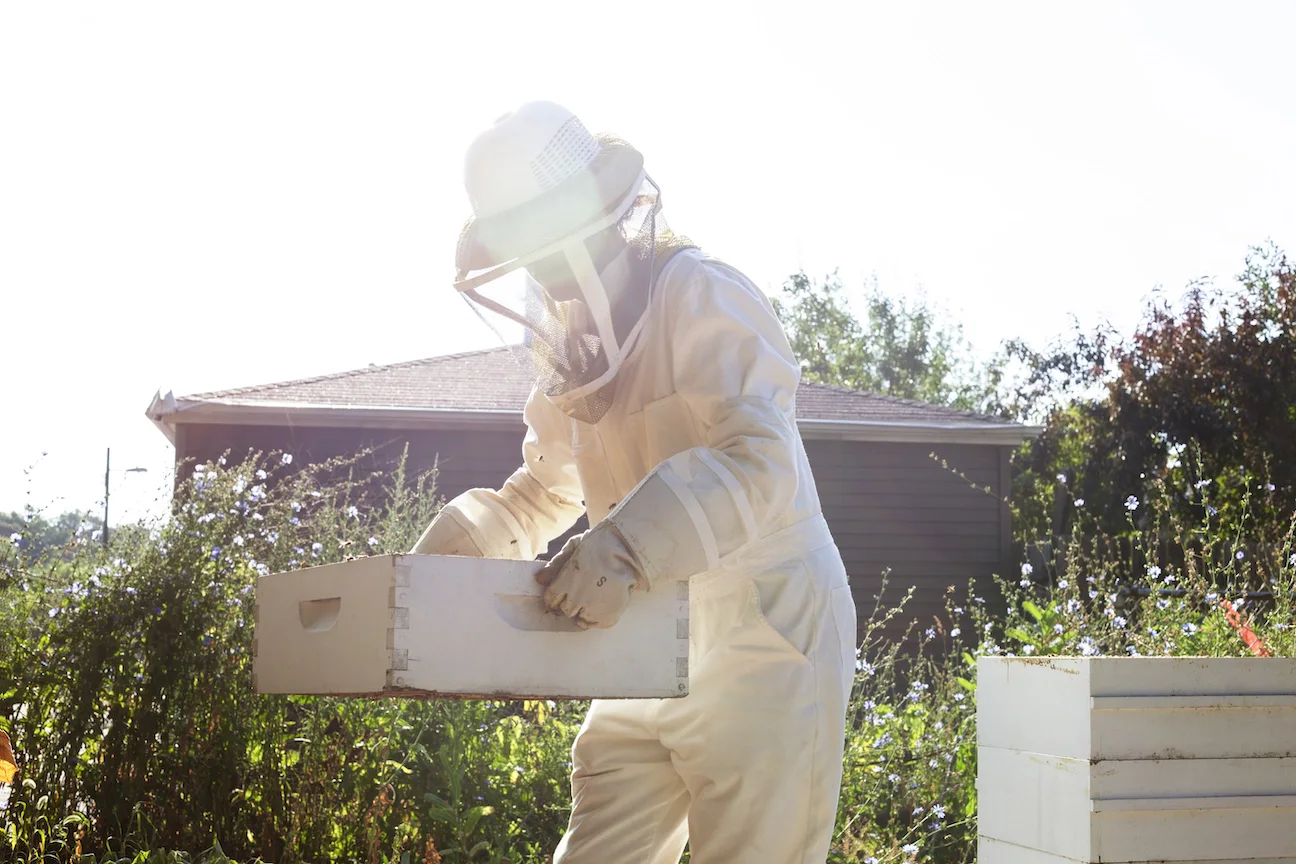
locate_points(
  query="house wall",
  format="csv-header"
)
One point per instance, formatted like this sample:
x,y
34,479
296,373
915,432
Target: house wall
x,y
888,505
893,507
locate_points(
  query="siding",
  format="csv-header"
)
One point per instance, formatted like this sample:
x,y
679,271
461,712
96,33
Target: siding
x,y
888,505
893,506
465,459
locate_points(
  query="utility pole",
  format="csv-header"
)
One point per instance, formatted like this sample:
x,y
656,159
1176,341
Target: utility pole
x,y
107,477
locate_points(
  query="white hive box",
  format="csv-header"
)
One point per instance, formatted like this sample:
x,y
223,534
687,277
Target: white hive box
x,y
1136,759
1140,810
443,626
990,851
1102,708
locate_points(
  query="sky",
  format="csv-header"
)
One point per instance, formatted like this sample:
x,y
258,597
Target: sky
x,y
206,196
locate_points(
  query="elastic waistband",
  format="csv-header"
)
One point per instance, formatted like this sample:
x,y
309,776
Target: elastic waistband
x,y
787,544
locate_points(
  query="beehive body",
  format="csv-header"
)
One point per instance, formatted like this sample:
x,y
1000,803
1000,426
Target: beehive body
x,y
1136,759
433,625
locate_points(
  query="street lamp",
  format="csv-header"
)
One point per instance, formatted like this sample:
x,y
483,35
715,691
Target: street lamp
x,y
107,472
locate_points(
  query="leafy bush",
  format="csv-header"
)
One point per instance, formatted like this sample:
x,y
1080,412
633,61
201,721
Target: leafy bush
x,y
125,686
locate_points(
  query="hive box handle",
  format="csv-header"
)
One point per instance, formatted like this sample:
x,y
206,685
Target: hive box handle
x,y
318,616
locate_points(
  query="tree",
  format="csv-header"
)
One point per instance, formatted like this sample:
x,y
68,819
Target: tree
x,y
898,350
38,536
1200,400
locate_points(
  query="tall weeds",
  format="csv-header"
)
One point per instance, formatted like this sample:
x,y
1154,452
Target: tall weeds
x,y
125,686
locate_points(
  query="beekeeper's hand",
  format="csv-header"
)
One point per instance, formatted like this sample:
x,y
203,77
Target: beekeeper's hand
x,y
591,577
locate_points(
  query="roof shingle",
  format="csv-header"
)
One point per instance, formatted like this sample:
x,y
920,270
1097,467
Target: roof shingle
x,y
496,380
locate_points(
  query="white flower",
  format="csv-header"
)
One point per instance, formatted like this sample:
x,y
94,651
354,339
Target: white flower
x,y
261,474
1079,502
352,511
1028,649
1061,478
1189,629
373,541
1240,555
1131,503
14,538
955,633
1062,583
287,459
1027,569
910,849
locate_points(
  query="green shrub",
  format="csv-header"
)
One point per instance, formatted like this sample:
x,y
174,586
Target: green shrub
x,y
125,685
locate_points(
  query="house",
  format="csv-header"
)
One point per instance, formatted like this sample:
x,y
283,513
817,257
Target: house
x,y
910,488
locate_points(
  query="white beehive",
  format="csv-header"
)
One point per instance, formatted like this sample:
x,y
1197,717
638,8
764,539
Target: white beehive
x,y
1138,707
433,625
1136,759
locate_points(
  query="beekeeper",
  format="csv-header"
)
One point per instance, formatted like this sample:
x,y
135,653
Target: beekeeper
x,y
664,410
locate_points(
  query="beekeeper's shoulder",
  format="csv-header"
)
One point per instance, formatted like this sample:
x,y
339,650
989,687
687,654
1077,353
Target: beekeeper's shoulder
x,y
694,282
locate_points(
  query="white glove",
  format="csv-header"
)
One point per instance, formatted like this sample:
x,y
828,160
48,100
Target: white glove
x,y
647,537
591,578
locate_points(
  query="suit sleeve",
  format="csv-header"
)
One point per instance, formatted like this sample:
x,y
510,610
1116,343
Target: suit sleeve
x,y
733,365
539,502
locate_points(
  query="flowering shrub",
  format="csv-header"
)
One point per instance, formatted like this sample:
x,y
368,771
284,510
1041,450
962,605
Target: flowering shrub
x,y
125,686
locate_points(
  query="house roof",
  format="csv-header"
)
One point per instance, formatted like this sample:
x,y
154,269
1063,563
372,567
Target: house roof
x,y
490,388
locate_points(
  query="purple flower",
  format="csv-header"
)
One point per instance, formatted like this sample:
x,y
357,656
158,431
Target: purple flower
x,y
1131,503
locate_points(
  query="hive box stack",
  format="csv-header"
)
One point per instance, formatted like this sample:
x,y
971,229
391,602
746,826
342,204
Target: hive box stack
x,y
443,626
1136,759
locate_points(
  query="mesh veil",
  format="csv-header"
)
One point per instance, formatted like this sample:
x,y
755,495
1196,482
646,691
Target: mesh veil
x,y
563,348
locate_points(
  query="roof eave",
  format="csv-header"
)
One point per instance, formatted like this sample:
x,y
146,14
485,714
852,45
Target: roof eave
x,y
917,432
230,412
167,411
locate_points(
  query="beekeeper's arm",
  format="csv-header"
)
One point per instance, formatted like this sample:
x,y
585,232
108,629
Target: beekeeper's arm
x,y
733,367
539,502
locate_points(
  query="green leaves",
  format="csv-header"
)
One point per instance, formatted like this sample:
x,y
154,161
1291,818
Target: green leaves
x,y
894,347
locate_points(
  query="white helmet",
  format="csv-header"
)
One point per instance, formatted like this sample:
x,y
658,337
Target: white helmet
x,y
541,185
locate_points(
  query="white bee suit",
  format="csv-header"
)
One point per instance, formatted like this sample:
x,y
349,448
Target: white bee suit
x,y
699,463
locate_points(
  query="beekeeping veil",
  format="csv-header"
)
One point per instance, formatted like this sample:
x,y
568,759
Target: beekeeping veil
x,y
578,219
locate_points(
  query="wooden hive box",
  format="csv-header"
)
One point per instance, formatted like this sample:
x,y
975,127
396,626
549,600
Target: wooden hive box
x,y
444,626
1113,759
